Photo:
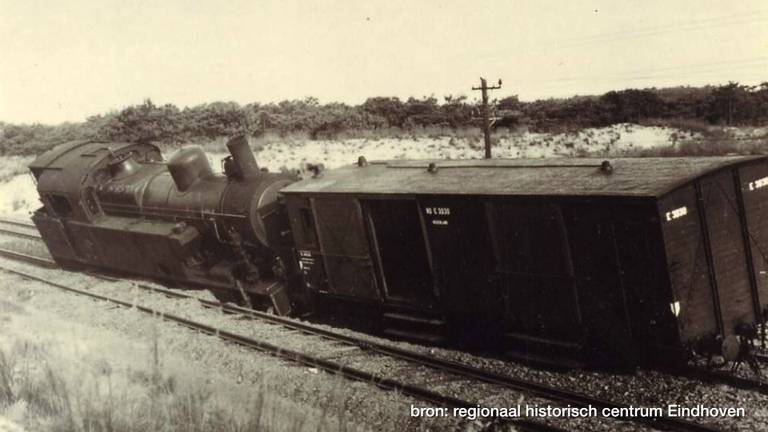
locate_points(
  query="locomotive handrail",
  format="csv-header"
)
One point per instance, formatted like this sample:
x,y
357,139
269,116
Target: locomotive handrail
x,y
166,212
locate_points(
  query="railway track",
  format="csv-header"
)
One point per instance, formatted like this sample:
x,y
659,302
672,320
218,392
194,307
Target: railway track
x,y
445,370
416,392
20,234
719,377
17,228
16,222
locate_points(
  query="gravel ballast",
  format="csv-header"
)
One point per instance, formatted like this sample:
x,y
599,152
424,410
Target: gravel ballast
x,y
365,403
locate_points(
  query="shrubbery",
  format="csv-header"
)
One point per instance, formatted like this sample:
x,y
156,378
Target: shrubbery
x,y
731,104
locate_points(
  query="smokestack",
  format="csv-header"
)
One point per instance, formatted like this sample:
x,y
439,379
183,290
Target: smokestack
x,y
244,161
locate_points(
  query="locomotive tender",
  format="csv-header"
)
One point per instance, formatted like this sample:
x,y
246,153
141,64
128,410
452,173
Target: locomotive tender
x,y
580,261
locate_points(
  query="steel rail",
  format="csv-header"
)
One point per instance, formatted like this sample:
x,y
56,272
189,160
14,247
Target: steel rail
x,y
455,368
331,367
17,222
729,379
20,256
20,234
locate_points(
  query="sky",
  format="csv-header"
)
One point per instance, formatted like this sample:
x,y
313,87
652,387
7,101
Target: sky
x,y
66,60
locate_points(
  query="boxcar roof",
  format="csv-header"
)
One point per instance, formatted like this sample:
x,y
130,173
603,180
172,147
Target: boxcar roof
x,y
640,177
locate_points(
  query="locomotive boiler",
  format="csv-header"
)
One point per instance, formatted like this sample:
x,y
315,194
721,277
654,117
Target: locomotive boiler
x,y
119,207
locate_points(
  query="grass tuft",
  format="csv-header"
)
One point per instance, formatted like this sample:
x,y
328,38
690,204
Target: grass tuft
x,y
706,147
42,393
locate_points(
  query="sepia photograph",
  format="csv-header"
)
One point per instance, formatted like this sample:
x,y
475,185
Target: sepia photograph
x,y
338,215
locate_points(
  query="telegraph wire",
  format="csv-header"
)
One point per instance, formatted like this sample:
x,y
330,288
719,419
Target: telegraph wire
x,y
734,77
686,69
631,36
711,22
647,32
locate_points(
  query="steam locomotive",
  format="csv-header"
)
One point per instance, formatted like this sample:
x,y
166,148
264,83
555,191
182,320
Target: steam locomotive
x,y
119,207
574,261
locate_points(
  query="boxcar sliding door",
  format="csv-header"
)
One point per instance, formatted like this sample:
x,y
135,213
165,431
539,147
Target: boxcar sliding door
x,y
398,236
602,295
344,248
532,262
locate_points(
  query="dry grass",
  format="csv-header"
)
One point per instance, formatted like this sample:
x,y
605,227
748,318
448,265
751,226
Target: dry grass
x,y
297,139
705,147
217,145
690,125
41,392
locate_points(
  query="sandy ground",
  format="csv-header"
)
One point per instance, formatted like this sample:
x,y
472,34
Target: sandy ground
x,y
608,140
9,426
18,196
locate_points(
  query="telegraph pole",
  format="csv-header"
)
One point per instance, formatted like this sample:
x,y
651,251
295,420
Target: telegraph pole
x,y
486,116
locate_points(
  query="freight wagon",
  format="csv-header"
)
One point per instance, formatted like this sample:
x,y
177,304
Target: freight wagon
x,y
585,261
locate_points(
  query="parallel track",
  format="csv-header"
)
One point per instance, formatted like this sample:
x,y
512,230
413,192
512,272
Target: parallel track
x,y
417,392
445,366
19,234
735,381
17,222
15,227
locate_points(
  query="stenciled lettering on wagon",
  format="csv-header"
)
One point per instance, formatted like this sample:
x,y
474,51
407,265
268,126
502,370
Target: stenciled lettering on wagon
x,y
306,261
438,211
676,213
759,183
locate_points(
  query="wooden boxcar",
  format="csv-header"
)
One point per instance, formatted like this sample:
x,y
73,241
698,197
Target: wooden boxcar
x,y
627,261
